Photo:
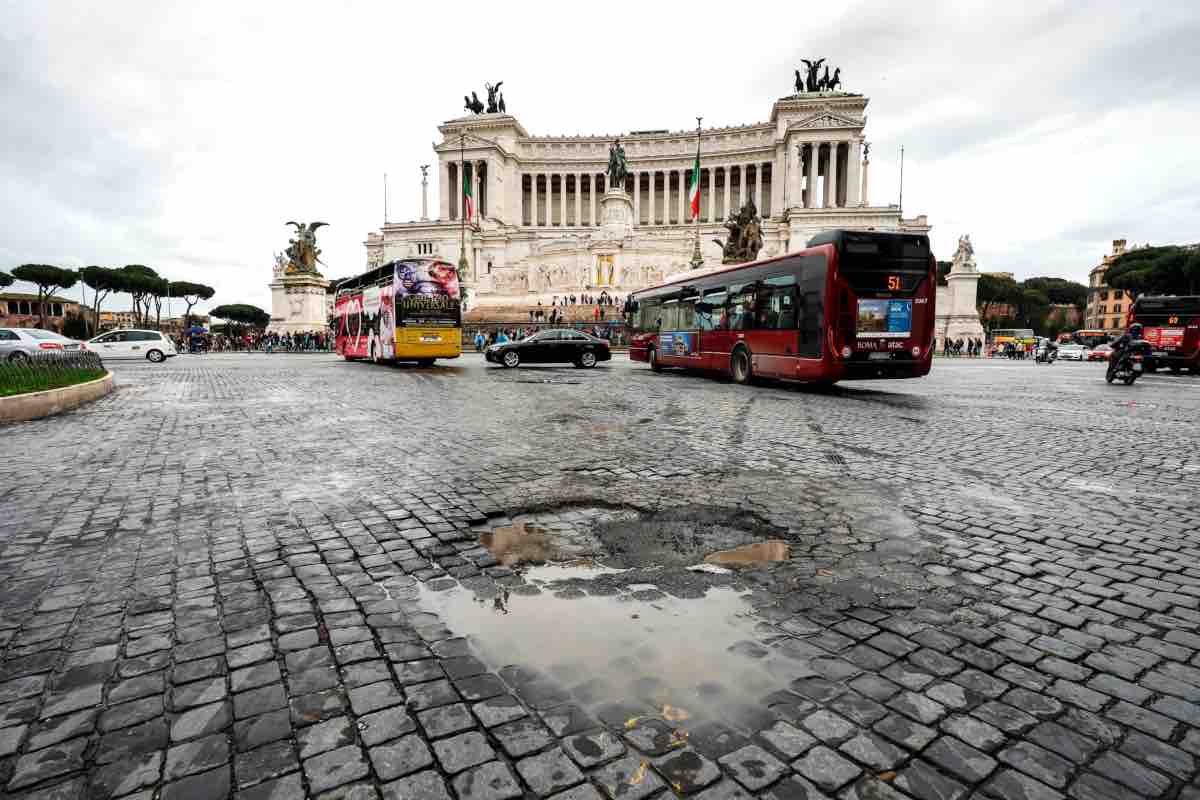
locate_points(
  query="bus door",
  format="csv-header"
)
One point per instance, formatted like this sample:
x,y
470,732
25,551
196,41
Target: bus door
x,y
678,338
712,318
775,340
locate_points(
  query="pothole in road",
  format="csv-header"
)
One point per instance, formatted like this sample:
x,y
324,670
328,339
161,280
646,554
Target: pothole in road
x,y
613,540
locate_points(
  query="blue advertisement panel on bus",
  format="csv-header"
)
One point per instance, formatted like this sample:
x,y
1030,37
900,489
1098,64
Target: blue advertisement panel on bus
x,y
884,318
678,344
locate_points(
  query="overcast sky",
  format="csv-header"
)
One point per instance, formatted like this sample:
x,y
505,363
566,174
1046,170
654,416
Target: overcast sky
x,y
182,135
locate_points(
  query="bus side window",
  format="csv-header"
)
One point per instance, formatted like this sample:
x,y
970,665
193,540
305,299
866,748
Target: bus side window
x,y
710,310
781,313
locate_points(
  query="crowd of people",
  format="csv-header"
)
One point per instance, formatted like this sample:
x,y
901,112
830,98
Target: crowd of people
x,y
256,341
601,304
484,336
957,348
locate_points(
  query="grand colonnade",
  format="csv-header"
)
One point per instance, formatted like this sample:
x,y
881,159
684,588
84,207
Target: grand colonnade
x,y
554,197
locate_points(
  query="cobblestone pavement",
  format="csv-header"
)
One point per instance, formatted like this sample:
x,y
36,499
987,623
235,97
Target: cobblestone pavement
x,y
264,577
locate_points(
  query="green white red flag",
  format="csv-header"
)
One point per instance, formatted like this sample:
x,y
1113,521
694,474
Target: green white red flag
x,y
468,201
694,189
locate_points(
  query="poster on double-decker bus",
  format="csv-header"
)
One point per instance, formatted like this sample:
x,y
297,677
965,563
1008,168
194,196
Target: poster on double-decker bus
x,y
379,320
427,291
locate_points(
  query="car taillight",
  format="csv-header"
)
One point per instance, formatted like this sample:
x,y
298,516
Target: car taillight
x,y
50,346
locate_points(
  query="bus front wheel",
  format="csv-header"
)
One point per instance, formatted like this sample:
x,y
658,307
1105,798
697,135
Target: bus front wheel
x,y
739,366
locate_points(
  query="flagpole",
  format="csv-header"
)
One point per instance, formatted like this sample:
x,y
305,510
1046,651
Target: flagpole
x,y
697,259
462,235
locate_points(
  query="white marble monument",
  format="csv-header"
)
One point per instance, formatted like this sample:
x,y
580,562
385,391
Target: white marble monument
x,y
297,300
547,224
957,314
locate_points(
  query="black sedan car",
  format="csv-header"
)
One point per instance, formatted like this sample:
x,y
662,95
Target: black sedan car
x,y
551,347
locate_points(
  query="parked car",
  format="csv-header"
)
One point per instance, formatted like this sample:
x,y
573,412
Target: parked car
x,y
1100,352
18,343
151,345
551,347
1072,352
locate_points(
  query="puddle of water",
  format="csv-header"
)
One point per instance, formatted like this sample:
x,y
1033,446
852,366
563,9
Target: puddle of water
x,y
749,554
699,657
584,569
519,543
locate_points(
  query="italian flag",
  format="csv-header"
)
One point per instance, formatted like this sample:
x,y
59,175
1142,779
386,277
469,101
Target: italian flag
x,y
468,202
694,189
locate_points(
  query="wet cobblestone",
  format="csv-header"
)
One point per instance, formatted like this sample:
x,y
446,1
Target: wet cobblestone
x,y
221,580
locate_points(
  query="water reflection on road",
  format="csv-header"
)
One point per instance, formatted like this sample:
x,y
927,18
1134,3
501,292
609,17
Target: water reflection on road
x,y
699,656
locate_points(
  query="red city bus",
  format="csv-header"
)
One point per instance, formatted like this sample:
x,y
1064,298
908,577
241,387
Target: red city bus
x,y
851,305
1171,324
1087,338
408,310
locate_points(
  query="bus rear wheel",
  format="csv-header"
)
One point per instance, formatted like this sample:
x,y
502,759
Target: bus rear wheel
x,y
739,366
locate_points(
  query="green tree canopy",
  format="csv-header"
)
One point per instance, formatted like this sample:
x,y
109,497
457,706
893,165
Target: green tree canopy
x,y
6,279
102,281
242,314
1172,269
191,293
1059,291
140,282
995,290
48,279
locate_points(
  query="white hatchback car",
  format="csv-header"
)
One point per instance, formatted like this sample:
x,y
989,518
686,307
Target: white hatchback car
x,y
150,345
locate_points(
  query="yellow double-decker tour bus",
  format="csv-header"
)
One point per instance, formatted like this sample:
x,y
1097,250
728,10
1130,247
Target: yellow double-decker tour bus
x,y
408,310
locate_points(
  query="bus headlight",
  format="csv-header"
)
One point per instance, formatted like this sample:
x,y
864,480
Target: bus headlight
x,y
846,351
916,351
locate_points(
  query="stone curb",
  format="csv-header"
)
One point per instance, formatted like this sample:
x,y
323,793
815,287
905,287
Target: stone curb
x,y
35,405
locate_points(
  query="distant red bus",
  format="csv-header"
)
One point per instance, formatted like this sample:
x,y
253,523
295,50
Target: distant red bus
x,y
851,305
1087,338
1171,324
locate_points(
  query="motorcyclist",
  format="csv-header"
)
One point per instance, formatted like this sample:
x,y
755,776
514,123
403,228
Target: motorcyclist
x,y
1122,344
1049,350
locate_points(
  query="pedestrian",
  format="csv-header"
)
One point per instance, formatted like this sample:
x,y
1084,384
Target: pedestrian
x,y
478,341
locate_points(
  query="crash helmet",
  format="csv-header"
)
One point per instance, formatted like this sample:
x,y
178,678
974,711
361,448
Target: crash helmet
x,y
1135,330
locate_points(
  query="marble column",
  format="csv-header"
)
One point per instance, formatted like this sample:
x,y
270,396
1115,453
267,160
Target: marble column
x,y
592,197
637,198
579,198
865,198
814,155
476,190
832,180
758,187
795,197
682,196
853,161
444,191
562,200
650,197
546,200
725,192
709,197
742,182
